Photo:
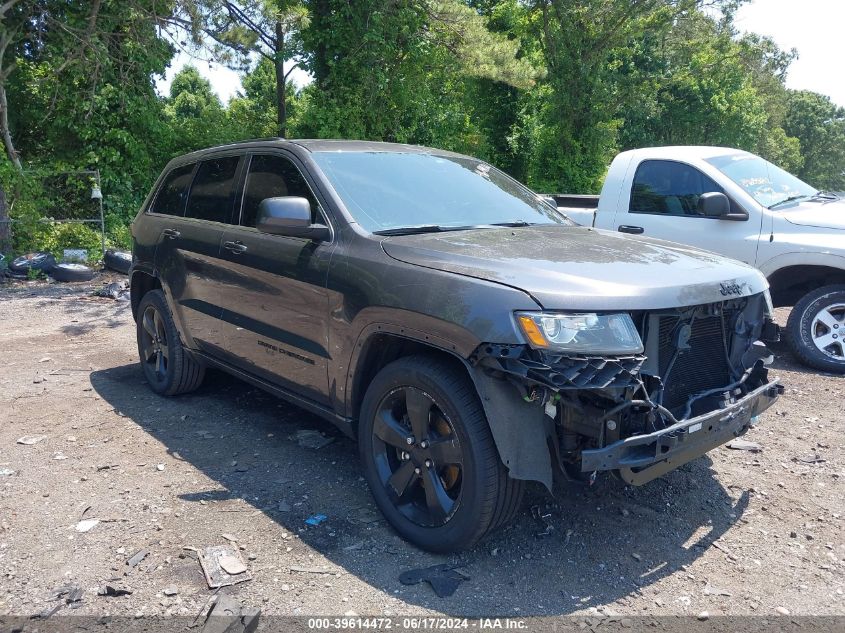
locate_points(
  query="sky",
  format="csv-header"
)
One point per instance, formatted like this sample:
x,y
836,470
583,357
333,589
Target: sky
x,y
816,28
813,27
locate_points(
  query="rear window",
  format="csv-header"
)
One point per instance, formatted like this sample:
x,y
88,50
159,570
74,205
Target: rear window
x,y
171,197
213,192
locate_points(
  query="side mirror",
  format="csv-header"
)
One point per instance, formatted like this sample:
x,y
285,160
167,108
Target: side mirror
x,y
289,216
714,204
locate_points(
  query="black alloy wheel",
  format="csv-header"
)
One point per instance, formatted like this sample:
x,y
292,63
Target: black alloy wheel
x,y
418,456
153,344
429,457
169,368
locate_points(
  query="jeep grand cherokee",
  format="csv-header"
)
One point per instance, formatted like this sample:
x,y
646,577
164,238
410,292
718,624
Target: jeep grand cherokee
x,y
468,335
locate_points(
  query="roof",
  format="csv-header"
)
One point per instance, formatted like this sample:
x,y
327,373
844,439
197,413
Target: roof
x,y
702,152
324,145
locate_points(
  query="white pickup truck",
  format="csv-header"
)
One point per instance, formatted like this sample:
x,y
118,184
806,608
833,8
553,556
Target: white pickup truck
x,y
737,204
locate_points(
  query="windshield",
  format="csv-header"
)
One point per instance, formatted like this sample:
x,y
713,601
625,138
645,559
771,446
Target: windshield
x,y
768,184
392,190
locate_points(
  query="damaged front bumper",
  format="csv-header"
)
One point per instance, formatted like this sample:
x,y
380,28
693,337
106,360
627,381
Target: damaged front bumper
x,y
642,458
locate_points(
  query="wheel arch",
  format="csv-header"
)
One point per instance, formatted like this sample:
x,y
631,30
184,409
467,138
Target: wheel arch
x,y
519,429
140,283
790,283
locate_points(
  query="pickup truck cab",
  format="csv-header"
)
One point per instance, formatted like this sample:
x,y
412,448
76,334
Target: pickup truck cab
x,y
464,331
739,205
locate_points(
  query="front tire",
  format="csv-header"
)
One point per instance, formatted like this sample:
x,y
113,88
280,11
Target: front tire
x,y
169,368
429,458
816,329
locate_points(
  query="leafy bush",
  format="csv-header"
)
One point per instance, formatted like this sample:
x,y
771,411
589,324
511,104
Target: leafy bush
x,y
61,236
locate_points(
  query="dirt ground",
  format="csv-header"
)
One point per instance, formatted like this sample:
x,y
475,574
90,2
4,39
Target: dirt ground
x,y
734,532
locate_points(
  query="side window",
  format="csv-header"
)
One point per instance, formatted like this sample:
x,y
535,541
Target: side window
x,y
665,187
272,176
170,199
213,191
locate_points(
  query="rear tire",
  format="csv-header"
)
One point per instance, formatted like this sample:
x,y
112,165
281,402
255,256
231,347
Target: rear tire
x,y
816,329
454,456
169,368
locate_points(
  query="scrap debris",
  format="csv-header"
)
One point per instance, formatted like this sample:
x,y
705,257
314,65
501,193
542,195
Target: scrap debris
x,y
309,438
227,616
29,440
216,560
444,579
316,519
86,525
744,445
113,592
136,558
115,290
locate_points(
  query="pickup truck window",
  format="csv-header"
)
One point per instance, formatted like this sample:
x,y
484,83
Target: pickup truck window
x,y
171,197
665,187
768,184
386,190
272,177
213,191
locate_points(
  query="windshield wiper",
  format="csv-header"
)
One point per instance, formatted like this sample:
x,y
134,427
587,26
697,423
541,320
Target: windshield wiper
x,y
411,230
512,223
789,199
824,195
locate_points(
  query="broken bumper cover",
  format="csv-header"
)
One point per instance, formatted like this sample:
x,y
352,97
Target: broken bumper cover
x,y
642,458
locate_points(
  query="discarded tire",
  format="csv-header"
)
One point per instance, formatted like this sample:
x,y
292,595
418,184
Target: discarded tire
x,y
40,261
119,261
71,272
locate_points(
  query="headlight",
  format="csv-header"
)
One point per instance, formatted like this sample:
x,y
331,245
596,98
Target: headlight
x,y
591,333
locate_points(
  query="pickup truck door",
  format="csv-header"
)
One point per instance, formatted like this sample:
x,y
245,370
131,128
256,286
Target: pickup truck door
x,y
662,203
275,301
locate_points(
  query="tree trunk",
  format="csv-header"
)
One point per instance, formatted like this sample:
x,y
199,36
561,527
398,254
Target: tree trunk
x,y
5,224
281,81
4,129
5,221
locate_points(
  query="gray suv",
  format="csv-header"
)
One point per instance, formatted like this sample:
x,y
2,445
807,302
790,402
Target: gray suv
x,y
468,335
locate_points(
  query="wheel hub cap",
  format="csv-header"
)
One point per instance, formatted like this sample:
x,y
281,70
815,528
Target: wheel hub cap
x,y
418,456
827,331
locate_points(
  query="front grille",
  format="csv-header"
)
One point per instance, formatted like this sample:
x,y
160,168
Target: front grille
x,y
701,367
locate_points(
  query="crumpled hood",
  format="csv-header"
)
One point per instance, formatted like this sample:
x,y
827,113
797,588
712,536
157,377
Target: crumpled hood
x,y
823,215
577,268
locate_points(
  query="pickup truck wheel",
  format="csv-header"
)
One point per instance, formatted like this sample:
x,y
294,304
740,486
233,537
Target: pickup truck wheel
x,y
429,457
816,329
169,368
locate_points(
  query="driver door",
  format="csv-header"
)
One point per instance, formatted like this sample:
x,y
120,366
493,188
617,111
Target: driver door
x,y
275,304
663,205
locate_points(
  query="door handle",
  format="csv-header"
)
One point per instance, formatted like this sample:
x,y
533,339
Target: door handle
x,y
235,247
627,228
171,233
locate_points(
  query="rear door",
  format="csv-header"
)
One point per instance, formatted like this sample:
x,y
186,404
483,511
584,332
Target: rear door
x,y
188,255
276,303
663,204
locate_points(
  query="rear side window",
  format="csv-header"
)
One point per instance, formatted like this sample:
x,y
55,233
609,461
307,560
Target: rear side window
x,y
213,192
171,197
273,177
665,187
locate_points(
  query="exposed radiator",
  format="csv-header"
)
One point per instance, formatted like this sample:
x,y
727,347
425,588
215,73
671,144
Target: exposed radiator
x,y
701,367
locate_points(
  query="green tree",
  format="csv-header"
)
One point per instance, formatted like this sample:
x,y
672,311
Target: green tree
x,y
253,113
819,125
197,117
237,32
396,70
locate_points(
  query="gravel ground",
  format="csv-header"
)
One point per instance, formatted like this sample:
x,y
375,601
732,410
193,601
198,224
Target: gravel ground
x,y
734,532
